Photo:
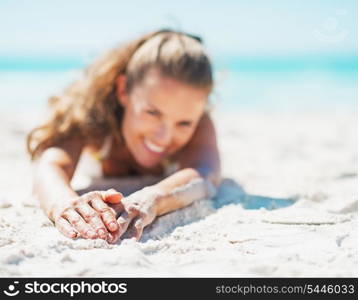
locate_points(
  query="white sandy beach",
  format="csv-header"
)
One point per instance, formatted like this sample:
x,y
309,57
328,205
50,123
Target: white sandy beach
x,y
288,206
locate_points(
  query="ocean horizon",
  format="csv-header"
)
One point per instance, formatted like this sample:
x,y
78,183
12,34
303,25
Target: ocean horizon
x,y
242,82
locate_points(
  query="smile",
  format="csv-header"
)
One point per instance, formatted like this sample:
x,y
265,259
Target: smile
x,y
154,148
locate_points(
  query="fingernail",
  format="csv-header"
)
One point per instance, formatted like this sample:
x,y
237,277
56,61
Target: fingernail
x,y
113,226
102,234
91,234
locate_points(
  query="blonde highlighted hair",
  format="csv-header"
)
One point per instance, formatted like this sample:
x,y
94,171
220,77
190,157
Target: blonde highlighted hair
x,y
89,109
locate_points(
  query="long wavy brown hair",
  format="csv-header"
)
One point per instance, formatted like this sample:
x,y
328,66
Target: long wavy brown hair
x,y
89,108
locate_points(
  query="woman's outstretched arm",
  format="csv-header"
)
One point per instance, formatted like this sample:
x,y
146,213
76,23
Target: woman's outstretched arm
x,y
199,173
87,215
53,172
198,177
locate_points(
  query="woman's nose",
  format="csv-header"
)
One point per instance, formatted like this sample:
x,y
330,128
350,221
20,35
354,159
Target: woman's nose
x,y
163,135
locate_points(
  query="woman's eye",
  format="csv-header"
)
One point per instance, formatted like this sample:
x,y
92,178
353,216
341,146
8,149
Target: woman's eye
x,y
185,124
153,112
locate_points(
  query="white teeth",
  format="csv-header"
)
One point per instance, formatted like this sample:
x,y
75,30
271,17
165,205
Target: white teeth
x,y
153,147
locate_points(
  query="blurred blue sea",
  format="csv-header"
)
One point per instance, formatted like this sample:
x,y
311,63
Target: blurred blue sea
x,y
242,83
277,55
290,83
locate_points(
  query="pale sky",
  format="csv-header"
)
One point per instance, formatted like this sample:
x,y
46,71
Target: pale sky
x,y
254,27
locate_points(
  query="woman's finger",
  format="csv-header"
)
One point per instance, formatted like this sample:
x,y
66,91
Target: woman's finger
x,y
113,236
79,224
107,213
112,196
132,228
123,222
93,218
118,208
65,228
137,228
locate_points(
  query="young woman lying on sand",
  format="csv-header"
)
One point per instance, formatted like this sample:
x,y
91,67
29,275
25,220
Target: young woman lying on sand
x,y
137,109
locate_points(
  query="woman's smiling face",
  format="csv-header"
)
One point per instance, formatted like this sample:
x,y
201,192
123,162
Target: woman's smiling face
x,y
160,116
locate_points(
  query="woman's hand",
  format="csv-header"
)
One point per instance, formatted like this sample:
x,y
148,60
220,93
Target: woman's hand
x,y
135,212
89,216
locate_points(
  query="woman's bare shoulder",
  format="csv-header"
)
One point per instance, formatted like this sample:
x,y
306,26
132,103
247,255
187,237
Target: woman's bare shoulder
x,y
65,150
202,142
204,133
202,151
